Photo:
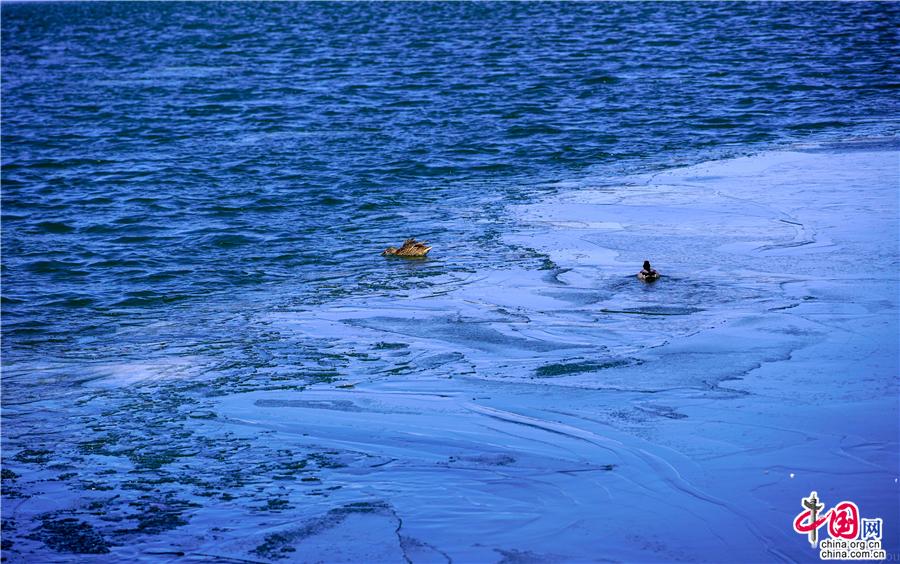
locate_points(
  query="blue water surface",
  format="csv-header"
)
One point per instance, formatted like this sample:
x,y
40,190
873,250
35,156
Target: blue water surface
x,y
170,171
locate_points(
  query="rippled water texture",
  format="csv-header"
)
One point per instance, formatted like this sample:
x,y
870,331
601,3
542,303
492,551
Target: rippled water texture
x,y
155,155
195,196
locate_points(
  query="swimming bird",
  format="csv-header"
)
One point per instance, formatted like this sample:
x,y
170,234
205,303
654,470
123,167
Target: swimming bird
x,y
409,248
647,274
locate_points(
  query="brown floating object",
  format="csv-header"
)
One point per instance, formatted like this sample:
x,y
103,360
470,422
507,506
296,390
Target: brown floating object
x,y
409,248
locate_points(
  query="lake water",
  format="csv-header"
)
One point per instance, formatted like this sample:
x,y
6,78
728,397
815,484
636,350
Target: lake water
x,y
195,197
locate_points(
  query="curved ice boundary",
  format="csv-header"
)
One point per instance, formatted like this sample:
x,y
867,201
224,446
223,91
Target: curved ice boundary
x,y
573,413
570,412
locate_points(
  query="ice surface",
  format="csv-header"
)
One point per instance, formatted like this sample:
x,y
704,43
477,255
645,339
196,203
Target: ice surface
x,y
568,413
577,414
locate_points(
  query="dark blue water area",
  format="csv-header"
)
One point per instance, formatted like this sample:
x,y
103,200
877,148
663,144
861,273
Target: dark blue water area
x,y
155,156
171,170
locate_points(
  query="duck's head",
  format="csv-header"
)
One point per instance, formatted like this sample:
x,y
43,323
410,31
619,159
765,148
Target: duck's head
x,y
389,251
647,265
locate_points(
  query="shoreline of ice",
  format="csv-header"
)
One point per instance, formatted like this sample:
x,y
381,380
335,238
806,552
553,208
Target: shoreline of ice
x,y
574,413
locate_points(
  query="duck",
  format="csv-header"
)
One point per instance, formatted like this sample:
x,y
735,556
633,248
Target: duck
x,y
647,274
410,248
